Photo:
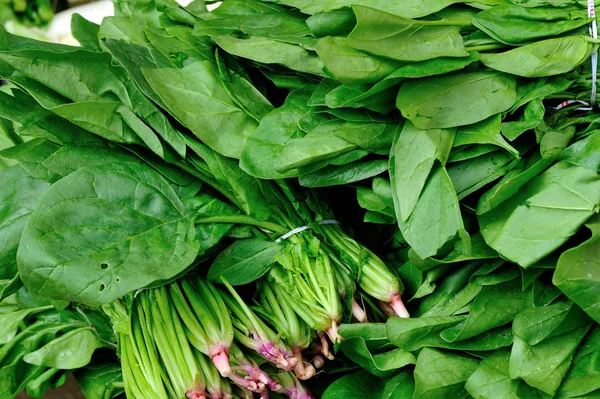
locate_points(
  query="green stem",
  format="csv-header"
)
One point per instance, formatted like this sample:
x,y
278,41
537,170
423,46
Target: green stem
x,y
591,40
213,183
243,219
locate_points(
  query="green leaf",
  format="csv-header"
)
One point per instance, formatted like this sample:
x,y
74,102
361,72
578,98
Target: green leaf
x,y
512,182
209,234
494,306
364,385
515,24
491,380
412,334
270,51
470,175
222,125
83,250
11,322
535,324
85,32
350,66
546,212
584,375
100,380
401,39
584,152
344,174
417,151
436,219
442,375
244,261
408,9
19,194
484,132
383,364
456,99
532,117
544,58
577,274
70,351
543,366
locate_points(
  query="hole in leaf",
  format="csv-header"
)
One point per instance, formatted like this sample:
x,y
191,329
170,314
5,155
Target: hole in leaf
x,y
117,279
103,266
102,287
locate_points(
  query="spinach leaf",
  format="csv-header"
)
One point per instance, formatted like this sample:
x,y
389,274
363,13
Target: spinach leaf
x,y
344,174
85,210
270,51
441,374
470,175
492,380
408,9
383,364
222,125
544,58
403,39
535,324
20,192
368,386
244,261
350,66
544,366
417,151
584,376
85,32
493,307
547,211
100,380
436,219
456,99
72,350
527,169
514,24
484,132
576,272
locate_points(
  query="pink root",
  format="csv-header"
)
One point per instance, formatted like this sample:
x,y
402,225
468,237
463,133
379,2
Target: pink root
x,y
332,332
325,345
246,383
195,394
398,306
303,370
264,394
318,361
358,312
220,358
386,309
258,375
300,394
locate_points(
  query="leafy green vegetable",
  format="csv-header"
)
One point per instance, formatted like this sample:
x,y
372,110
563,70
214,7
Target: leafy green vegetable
x,y
575,273
456,100
51,242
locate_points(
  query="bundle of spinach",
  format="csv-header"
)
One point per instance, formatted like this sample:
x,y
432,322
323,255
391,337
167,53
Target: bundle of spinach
x,y
177,142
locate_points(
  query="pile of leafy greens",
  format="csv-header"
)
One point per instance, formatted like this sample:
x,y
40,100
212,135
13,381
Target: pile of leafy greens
x,y
178,195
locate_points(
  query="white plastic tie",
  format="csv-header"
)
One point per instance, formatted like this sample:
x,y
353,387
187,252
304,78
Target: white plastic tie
x,y
594,34
301,229
291,233
586,106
